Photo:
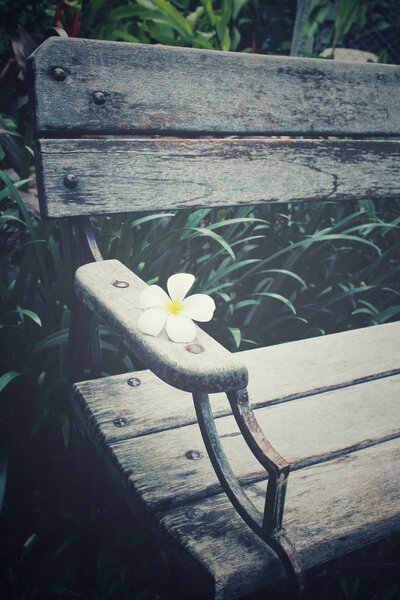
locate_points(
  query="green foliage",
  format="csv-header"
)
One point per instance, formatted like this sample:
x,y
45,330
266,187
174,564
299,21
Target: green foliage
x,y
315,19
177,24
349,13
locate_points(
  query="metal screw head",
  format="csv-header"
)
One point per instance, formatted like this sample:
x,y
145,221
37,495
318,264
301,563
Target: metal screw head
x,y
195,348
99,98
195,514
120,284
120,422
134,382
58,74
193,455
70,181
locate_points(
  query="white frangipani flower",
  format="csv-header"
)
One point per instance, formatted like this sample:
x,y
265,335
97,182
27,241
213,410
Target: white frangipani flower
x,y
174,311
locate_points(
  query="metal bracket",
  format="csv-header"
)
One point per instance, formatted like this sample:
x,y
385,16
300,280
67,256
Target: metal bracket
x,y
267,525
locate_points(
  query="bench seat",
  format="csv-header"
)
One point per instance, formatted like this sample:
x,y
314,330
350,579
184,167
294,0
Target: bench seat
x,y
329,405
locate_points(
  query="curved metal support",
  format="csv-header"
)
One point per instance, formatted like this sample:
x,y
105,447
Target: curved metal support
x,y
267,526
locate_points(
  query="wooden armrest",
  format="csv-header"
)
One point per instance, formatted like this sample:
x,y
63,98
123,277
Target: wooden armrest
x,y
201,366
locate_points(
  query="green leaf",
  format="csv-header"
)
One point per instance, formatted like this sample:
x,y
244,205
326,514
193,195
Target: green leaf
x,y
194,16
237,7
125,36
315,19
132,10
7,378
208,233
153,217
29,313
235,38
54,340
209,11
285,301
289,273
236,334
346,14
182,24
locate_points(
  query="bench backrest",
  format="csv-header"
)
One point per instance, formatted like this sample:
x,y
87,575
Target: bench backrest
x,y
170,110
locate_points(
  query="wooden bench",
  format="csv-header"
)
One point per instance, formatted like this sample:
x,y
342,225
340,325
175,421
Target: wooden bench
x,y
329,405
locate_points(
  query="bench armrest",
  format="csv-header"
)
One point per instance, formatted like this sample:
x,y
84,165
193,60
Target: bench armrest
x,y
201,366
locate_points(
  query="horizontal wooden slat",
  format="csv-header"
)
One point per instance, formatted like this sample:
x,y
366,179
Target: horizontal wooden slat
x,y
303,431
201,366
164,89
124,175
331,509
276,374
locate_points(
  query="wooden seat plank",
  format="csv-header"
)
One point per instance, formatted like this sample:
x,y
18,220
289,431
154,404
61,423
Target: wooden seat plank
x,y
331,509
305,431
159,89
167,174
276,374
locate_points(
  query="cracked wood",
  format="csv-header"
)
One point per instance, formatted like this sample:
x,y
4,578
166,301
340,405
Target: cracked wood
x,y
162,89
124,175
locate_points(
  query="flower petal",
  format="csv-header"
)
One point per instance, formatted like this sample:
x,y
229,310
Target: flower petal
x,y
153,295
179,284
152,320
199,307
180,328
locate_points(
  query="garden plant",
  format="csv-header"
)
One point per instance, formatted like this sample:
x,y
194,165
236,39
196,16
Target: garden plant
x,y
276,273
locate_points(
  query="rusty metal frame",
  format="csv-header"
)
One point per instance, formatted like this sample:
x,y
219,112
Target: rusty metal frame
x,y
267,525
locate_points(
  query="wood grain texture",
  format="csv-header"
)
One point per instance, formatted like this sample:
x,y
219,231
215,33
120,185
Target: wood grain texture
x,y
164,89
338,500
331,509
276,374
304,431
213,369
117,176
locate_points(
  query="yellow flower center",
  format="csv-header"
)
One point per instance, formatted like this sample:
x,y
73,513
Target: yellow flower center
x,y
174,307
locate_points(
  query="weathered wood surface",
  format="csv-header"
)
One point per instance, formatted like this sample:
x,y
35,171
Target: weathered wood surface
x,y
327,404
203,365
277,374
332,508
305,431
164,89
125,175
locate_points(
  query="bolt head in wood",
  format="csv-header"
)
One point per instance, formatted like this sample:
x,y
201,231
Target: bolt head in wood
x,y
58,74
120,284
134,382
193,455
70,181
195,514
99,98
120,422
195,348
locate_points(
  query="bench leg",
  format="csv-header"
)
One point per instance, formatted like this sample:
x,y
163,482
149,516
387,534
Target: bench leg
x,y
268,526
